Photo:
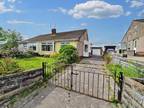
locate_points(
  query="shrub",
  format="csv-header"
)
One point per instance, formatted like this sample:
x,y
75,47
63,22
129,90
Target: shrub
x,y
33,53
16,53
68,54
28,54
5,53
24,55
7,65
107,58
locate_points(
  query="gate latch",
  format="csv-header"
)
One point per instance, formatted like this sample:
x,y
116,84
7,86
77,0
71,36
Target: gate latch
x,y
75,73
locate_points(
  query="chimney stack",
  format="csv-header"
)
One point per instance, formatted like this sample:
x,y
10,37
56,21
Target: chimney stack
x,y
53,31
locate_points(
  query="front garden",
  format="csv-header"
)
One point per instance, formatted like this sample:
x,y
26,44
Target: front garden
x,y
21,62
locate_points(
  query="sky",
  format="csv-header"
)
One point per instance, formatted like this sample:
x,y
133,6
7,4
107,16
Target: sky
x,y
106,20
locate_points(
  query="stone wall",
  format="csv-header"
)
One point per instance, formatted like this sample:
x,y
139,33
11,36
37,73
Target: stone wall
x,y
14,82
133,94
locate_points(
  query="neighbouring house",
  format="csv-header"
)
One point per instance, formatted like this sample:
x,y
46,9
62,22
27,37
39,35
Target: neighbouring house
x,y
51,43
133,40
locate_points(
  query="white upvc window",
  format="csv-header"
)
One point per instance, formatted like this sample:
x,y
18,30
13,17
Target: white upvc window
x,y
63,43
32,46
47,46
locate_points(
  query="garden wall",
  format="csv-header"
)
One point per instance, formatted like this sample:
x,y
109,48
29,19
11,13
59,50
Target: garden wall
x,y
133,94
11,84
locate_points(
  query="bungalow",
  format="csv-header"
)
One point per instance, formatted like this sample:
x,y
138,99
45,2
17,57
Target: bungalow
x,y
133,40
50,43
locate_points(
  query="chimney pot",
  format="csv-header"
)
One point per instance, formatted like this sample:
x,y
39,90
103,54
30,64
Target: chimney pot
x,y
53,31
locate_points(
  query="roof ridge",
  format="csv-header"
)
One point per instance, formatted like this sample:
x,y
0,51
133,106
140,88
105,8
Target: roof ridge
x,y
62,35
64,32
141,20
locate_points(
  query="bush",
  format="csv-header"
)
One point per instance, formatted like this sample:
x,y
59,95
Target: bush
x,y
24,55
33,53
16,53
5,53
28,54
68,54
7,65
107,58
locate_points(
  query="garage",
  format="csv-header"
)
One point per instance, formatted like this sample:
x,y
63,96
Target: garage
x,y
97,51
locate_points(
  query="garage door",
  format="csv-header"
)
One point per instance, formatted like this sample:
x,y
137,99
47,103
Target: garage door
x,y
96,52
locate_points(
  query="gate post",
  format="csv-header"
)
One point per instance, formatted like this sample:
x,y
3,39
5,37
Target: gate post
x,y
43,69
71,81
121,80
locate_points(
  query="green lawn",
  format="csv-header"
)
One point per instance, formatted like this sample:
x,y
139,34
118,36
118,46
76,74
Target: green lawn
x,y
34,62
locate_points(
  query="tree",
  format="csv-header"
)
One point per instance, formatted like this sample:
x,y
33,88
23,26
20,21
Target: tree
x,y
11,38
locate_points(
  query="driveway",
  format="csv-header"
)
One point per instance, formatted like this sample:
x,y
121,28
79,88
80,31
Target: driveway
x,y
51,97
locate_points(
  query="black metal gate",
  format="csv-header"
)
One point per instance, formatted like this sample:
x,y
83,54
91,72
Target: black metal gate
x,y
88,82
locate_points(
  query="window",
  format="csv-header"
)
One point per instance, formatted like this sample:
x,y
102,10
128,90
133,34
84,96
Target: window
x,y
33,47
25,45
86,48
64,43
135,43
47,47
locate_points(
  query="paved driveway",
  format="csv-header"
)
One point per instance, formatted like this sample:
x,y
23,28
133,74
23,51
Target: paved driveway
x,y
60,98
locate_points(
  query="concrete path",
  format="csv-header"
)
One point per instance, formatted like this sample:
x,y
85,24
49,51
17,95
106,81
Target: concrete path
x,y
59,98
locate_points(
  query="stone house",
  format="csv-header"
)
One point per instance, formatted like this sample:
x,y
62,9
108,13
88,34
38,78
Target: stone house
x,y
133,40
50,43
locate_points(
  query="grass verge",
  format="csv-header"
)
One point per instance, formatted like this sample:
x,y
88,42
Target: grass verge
x,y
129,71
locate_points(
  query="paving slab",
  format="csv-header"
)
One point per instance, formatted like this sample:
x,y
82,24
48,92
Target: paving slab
x,y
60,98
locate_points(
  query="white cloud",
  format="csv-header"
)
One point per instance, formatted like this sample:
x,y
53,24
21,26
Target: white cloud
x,y
135,3
16,22
83,24
60,9
12,1
96,9
19,22
141,13
127,13
4,9
8,8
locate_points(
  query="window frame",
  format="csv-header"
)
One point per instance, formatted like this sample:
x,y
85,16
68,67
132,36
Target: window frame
x,y
49,46
63,43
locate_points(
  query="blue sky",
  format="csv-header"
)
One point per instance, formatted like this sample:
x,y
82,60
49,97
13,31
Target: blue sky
x,y
106,20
